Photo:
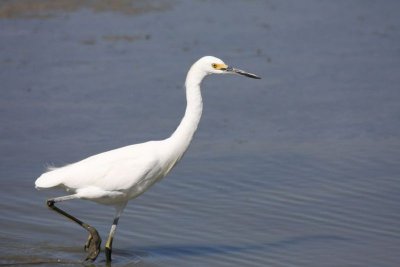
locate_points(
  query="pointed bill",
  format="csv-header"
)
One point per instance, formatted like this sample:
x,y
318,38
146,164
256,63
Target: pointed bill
x,y
242,72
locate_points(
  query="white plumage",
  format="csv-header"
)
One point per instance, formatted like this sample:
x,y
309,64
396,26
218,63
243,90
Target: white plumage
x,y
113,176
116,176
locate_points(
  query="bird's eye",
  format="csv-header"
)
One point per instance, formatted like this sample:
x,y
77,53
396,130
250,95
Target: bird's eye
x,y
214,65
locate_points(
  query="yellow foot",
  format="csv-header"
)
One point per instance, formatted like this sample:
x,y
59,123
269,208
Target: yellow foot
x,y
92,245
108,254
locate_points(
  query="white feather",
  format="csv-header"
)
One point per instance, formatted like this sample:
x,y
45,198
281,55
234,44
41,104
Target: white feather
x,y
118,175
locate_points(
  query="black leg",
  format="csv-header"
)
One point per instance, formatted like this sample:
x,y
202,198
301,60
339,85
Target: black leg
x,y
93,243
108,249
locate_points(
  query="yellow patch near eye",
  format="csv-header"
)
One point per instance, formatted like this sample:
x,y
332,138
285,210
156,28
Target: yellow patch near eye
x,y
219,66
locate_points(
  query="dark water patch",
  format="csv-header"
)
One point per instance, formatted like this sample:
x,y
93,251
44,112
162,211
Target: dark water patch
x,y
50,8
206,250
19,261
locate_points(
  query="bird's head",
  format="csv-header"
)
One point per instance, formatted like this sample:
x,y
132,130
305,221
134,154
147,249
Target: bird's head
x,y
213,65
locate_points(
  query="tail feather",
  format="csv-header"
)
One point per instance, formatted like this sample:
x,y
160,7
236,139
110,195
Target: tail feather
x,y
50,168
48,180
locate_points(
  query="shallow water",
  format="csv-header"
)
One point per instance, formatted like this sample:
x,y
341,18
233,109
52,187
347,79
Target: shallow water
x,y
297,169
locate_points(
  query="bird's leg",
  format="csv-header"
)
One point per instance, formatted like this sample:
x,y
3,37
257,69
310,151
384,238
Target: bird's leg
x,y
108,248
92,246
110,238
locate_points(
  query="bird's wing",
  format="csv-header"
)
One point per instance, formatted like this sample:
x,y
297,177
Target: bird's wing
x,y
130,175
117,169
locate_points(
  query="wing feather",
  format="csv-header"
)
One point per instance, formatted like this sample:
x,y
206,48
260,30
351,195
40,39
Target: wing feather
x,y
118,169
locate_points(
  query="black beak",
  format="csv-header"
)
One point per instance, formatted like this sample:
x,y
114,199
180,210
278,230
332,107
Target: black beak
x,y
242,72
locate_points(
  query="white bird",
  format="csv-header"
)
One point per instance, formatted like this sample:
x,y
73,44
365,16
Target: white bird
x,y
117,176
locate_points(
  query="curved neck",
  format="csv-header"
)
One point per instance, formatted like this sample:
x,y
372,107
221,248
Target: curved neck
x,y
184,133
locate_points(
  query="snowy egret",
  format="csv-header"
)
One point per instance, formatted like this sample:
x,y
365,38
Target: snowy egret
x,y
114,177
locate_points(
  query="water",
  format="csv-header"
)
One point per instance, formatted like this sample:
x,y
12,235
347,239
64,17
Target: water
x,y
297,169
